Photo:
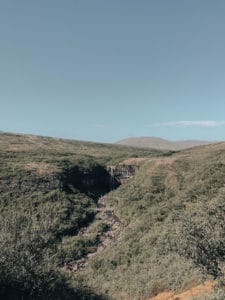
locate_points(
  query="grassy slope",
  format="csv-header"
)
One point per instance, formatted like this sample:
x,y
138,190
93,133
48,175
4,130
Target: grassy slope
x,y
33,168
43,203
175,236
43,148
173,209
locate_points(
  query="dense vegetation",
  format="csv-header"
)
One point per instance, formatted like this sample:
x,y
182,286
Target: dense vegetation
x,y
172,211
29,264
48,192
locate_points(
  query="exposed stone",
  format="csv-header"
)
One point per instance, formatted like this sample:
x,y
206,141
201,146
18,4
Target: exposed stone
x,y
115,227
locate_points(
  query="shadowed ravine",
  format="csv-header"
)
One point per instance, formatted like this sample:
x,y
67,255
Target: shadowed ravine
x,y
106,215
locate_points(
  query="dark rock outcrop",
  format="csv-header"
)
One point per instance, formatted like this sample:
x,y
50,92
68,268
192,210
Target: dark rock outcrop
x,y
121,172
94,181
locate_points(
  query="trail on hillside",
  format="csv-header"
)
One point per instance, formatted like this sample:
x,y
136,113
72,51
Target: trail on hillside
x,y
204,289
113,229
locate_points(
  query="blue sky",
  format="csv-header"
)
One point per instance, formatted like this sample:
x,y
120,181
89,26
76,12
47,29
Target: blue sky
x,y
104,70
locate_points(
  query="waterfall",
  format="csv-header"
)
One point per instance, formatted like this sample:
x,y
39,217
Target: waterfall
x,y
112,178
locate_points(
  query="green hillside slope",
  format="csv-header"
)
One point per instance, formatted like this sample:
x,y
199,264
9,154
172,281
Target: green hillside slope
x,y
48,192
82,220
174,237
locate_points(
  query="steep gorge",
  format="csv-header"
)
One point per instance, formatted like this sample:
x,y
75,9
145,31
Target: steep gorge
x,y
101,181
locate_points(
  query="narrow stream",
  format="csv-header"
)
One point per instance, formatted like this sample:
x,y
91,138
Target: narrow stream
x,y
114,227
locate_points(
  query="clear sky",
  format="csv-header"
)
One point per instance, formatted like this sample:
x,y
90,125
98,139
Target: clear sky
x,y
103,70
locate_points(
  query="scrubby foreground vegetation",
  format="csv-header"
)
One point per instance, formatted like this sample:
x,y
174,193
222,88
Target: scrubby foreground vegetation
x,y
171,211
48,193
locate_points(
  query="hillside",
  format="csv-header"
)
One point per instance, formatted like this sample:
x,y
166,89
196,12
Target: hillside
x,y
161,144
48,193
173,238
83,220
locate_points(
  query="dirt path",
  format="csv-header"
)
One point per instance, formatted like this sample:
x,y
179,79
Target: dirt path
x,y
200,290
114,228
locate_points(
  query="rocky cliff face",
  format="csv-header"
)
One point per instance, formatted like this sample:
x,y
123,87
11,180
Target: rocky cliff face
x,y
95,181
122,172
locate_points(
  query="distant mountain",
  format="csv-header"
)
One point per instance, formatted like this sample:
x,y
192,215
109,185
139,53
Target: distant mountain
x,y
162,144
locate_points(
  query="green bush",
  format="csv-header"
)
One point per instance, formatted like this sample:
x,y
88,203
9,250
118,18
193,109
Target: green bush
x,y
28,261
